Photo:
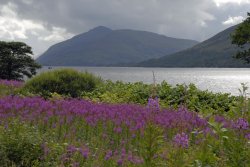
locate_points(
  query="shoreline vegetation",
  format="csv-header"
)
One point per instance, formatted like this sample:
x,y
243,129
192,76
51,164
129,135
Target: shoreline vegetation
x,y
68,118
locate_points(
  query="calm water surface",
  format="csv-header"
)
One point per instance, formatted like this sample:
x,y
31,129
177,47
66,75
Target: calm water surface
x,y
214,79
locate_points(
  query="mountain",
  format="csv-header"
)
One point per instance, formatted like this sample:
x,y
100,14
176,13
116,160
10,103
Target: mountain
x,y
102,46
214,52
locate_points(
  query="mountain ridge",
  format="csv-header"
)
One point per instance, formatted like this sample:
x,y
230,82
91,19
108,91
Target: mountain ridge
x,y
216,51
103,46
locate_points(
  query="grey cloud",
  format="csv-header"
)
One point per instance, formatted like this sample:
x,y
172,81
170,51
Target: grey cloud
x,y
163,16
193,19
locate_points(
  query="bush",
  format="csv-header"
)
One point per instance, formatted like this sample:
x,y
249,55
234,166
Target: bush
x,y
169,96
66,82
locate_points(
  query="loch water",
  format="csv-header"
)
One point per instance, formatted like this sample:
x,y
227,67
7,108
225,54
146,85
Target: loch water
x,y
226,80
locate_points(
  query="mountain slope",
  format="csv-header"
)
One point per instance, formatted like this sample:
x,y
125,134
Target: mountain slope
x,y
214,52
102,46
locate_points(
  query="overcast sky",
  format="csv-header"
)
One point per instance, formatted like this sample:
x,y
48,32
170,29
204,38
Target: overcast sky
x,y
41,23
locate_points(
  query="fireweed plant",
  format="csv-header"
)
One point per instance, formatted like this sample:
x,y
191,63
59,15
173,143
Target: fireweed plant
x,y
76,132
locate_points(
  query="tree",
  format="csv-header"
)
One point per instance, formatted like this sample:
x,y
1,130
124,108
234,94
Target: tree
x,y
16,61
241,37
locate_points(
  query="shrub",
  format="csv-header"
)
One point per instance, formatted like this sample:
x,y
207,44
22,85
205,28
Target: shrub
x,y
66,82
169,96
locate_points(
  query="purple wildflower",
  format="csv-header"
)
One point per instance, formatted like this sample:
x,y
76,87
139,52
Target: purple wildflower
x,y
222,120
119,162
71,149
181,140
85,152
247,136
153,103
123,153
130,156
108,155
138,160
241,123
76,164
45,149
118,130
12,83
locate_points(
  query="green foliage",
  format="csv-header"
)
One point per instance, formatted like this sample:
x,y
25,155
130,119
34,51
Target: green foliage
x,y
4,90
152,145
243,99
67,82
241,37
231,145
7,90
15,61
237,151
120,92
170,96
20,145
10,87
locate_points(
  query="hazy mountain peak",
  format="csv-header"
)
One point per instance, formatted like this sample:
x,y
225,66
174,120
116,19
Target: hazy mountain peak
x,y
100,28
102,46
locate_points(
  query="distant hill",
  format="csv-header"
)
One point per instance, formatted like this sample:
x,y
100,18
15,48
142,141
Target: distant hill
x,y
102,46
214,52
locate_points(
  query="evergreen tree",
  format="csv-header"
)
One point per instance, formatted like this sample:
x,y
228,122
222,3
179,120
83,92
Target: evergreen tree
x,y
16,61
241,37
